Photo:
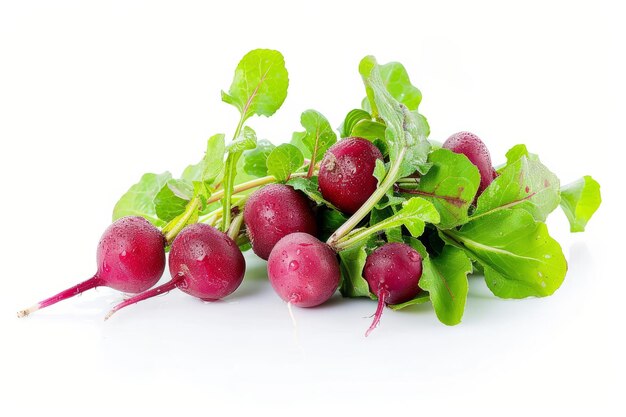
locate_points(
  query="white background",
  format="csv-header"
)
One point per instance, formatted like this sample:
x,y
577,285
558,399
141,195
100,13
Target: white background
x,y
94,94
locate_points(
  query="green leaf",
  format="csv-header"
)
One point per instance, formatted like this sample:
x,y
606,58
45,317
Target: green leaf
x,y
139,199
421,298
413,215
213,159
211,166
172,199
245,141
404,134
519,257
260,84
524,183
397,81
309,186
423,125
579,200
370,130
193,173
380,171
445,279
283,161
393,234
255,160
328,220
352,118
517,152
352,263
297,141
390,199
450,184
189,215
319,135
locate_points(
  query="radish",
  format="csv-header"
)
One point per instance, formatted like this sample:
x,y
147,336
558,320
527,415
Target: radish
x,y
346,173
203,262
393,272
303,270
272,213
131,258
476,151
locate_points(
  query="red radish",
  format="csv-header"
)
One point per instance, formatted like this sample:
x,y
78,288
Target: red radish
x,y
346,177
131,258
393,272
303,270
203,262
471,146
272,213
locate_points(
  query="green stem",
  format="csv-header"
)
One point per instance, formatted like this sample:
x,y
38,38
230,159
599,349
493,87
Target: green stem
x,y
245,186
239,127
235,227
211,217
358,236
228,189
230,170
360,214
190,210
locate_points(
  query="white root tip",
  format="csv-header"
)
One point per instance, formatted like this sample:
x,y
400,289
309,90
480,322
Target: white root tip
x,y
109,314
26,312
293,318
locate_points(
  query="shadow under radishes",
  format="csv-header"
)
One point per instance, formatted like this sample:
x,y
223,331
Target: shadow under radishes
x,y
130,258
203,262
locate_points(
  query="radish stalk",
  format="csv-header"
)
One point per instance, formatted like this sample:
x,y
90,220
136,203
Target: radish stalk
x,y
92,282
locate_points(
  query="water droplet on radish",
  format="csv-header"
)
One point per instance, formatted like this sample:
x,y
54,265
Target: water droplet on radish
x,y
294,265
298,251
414,256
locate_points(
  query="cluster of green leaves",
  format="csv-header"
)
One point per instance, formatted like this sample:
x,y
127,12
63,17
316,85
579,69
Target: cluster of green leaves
x,y
259,87
503,234
426,196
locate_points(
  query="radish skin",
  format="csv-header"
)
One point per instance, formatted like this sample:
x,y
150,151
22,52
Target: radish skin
x,y
203,262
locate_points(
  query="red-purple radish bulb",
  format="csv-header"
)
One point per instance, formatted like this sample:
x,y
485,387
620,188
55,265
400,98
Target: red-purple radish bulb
x,y
392,272
130,258
203,262
131,255
346,176
303,270
210,263
476,151
272,213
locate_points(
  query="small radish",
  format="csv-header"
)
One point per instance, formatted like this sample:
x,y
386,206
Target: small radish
x,y
393,272
131,258
272,213
476,151
346,176
303,270
203,262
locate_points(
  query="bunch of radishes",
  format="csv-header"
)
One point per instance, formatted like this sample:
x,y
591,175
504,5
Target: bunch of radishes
x,y
371,213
